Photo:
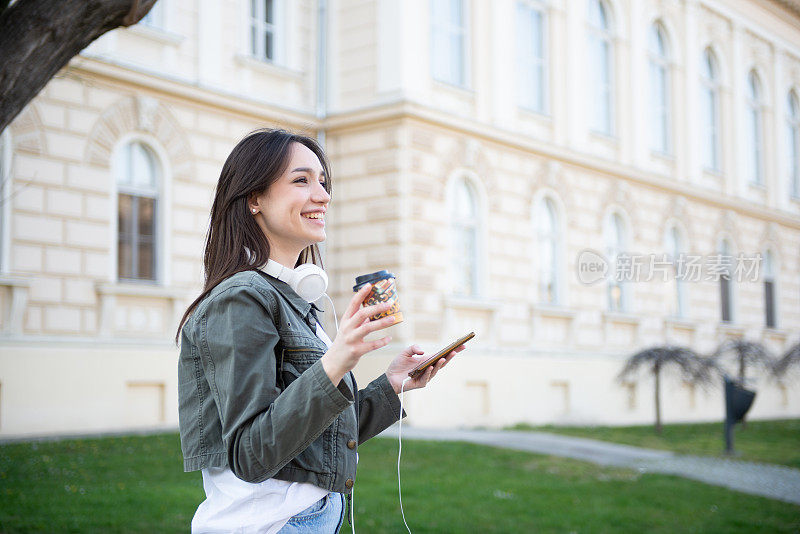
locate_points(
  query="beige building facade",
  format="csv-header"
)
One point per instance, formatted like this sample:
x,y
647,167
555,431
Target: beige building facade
x,y
492,155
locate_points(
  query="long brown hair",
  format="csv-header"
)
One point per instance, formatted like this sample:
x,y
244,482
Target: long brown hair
x,y
252,167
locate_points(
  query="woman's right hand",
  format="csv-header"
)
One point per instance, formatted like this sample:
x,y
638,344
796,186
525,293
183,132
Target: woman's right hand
x,y
349,345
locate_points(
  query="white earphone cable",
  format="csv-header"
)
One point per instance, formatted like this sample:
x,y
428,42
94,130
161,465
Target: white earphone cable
x,y
353,490
352,505
400,451
333,310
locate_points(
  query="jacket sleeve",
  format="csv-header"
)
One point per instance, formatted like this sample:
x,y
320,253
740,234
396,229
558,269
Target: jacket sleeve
x,y
259,422
378,408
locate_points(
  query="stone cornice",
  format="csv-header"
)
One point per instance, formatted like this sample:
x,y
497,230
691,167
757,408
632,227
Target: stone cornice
x,y
407,110
201,95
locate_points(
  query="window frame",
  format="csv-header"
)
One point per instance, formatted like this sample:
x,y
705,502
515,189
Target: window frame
x,y
754,101
605,35
770,275
622,242
711,85
278,32
161,238
464,50
533,63
472,182
547,206
660,112
727,289
675,235
793,143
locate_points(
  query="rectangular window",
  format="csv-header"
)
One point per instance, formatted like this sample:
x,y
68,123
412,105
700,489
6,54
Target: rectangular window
x,y
531,57
769,303
725,298
659,120
448,41
262,29
616,302
709,116
793,152
600,59
465,263
136,237
755,146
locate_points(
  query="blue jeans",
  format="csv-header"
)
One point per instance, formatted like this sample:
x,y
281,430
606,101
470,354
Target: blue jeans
x,y
324,516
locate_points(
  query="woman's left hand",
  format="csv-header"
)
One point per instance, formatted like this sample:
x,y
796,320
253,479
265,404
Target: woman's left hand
x,y
407,360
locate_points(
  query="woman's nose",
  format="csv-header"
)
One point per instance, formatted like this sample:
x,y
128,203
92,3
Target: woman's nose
x,y
320,194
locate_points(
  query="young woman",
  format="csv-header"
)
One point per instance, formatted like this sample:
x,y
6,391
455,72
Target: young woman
x,y
268,407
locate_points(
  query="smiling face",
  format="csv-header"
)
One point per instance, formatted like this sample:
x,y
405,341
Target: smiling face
x,y
291,213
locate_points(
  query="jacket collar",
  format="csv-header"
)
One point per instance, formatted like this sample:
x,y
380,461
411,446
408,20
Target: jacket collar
x,y
298,303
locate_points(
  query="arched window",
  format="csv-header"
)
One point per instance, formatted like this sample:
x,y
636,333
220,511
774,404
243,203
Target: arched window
x,y
600,65
548,245
725,281
448,41
138,183
709,110
769,274
615,237
464,217
531,55
659,89
675,248
754,129
793,143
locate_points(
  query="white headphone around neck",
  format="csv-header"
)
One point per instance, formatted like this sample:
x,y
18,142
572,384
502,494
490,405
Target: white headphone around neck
x,y
308,280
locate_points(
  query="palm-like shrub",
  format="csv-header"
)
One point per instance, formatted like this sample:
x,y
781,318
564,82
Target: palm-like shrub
x,y
791,358
744,354
655,359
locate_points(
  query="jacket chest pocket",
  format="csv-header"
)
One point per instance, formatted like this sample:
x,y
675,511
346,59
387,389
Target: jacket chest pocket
x,y
293,362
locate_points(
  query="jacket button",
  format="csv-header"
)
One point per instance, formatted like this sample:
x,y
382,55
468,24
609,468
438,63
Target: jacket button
x,y
348,483
351,444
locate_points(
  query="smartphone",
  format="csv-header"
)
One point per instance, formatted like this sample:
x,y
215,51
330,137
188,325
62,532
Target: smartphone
x,y
418,370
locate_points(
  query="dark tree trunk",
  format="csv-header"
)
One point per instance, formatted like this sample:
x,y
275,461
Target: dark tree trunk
x,y
741,370
741,382
39,37
657,376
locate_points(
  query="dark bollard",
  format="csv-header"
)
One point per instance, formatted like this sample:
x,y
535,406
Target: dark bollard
x,y
737,401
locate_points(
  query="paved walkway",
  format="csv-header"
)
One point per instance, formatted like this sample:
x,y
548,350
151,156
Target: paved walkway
x,y
773,481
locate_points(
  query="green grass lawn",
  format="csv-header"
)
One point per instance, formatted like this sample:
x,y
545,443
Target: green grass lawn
x,y
135,484
776,442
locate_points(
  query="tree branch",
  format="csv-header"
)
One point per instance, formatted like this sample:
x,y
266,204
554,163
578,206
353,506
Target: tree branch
x,y
39,37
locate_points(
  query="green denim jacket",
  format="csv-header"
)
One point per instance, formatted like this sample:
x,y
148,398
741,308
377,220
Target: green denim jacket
x,y
253,394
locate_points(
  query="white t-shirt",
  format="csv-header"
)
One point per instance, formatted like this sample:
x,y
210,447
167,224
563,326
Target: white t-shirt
x,y
233,505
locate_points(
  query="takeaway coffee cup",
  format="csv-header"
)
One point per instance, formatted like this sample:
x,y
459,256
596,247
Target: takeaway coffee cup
x,y
383,289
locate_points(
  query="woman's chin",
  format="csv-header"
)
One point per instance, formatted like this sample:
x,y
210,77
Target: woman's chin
x,y
318,237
